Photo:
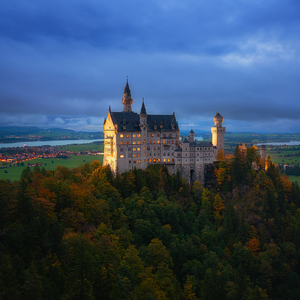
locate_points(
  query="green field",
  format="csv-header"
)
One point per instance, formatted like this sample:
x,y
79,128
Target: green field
x,y
277,156
14,173
294,178
82,147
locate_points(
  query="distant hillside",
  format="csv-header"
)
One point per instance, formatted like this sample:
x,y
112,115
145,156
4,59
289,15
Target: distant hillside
x,y
9,134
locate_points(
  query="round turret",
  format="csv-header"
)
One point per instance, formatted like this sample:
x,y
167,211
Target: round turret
x,y
191,136
263,152
218,120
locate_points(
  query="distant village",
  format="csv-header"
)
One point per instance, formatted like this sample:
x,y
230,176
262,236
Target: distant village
x,y
19,155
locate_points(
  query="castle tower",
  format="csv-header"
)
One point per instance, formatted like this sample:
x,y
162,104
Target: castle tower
x,y
143,126
127,100
218,132
191,136
263,154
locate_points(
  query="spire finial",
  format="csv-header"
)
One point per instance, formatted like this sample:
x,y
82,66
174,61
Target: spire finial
x,y
109,108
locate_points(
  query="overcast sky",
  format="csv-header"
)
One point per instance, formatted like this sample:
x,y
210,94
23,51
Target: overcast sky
x,y
63,62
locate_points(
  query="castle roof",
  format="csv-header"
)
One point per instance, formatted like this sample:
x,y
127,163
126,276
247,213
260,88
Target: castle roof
x,y
127,90
143,109
200,144
132,121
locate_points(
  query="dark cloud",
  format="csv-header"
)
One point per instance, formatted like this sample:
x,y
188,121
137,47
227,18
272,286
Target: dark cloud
x,y
63,62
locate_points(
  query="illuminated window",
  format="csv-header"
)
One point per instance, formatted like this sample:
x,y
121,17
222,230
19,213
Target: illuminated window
x,y
149,142
138,142
134,135
154,148
150,160
154,160
154,142
172,159
172,142
164,141
121,143
144,141
164,159
134,161
121,155
152,135
134,155
127,135
134,149
158,160
168,159
127,143
139,161
138,135
139,155
158,142
138,149
158,135
134,142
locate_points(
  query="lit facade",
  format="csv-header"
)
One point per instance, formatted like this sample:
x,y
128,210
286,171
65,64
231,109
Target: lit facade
x,y
133,140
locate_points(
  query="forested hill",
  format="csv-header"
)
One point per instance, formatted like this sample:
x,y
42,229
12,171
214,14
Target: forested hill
x,y
85,234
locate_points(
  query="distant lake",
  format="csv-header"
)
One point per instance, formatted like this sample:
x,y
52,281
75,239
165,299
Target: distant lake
x,y
291,143
59,143
50,143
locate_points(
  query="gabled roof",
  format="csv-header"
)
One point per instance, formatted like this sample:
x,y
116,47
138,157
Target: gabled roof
x,y
165,120
132,121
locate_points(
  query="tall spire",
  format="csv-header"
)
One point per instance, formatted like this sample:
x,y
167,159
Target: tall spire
x,y
127,100
127,89
143,109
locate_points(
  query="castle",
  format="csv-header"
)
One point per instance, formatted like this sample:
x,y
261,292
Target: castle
x,y
134,140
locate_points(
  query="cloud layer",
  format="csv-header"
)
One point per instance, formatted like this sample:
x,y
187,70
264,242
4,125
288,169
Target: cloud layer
x,y
63,63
